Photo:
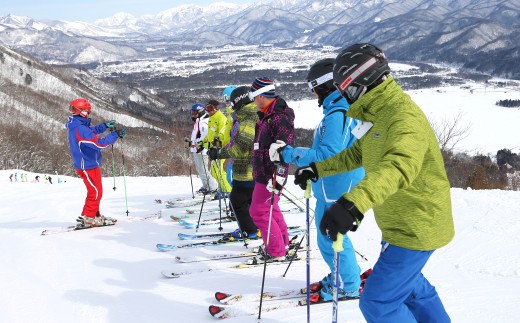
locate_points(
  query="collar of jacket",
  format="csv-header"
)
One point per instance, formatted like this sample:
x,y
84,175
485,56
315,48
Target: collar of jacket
x,y
278,105
334,100
82,120
369,105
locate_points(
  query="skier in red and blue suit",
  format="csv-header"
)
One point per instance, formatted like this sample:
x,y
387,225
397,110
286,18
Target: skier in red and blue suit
x,y
85,149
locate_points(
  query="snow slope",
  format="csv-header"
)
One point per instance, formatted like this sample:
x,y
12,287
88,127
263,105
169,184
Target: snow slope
x,y
113,274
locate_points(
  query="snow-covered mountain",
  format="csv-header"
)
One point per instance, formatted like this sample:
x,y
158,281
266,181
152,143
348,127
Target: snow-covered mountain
x,y
477,34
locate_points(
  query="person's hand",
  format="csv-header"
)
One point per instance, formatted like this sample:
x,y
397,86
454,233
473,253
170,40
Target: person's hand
x,y
280,182
110,124
213,153
342,216
121,132
187,143
217,143
275,151
305,173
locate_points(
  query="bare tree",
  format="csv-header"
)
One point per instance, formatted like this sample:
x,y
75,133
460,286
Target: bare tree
x,y
450,132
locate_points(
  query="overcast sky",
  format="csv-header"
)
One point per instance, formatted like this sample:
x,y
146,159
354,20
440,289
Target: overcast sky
x,y
92,10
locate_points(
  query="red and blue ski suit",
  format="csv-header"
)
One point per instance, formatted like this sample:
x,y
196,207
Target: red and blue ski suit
x,y
85,149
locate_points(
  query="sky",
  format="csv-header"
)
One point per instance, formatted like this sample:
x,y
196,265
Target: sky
x,y
92,10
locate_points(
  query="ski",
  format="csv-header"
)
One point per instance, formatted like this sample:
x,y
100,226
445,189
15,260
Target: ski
x,y
210,210
191,225
169,247
70,229
185,260
167,273
184,236
229,299
252,308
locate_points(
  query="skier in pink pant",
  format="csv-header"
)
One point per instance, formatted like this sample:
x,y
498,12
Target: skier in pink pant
x,y
276,124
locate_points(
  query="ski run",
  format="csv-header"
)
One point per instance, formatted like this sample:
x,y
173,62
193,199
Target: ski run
x,y
115,274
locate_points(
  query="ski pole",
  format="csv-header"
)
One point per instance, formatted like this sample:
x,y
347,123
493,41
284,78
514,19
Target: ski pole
x,y
187,143
200,213
293,202
205,191
338,248
113,168
298,246
279,169
124,177
308,254
231,207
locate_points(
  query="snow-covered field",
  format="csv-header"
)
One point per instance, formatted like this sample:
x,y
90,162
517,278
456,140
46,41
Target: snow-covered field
x,y
113,274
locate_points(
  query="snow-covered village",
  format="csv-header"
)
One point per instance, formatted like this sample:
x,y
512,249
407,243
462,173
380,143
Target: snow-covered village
x,y
116,205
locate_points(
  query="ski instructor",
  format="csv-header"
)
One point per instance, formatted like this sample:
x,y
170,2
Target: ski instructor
x,y
85,149
405,184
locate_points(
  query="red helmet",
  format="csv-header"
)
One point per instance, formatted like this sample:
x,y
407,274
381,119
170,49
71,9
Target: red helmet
x,y
80,106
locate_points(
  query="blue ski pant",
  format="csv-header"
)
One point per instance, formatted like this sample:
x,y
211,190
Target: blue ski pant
x,y
349,270
397,291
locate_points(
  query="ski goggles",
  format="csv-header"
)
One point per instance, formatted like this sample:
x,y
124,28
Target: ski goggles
x,y
253,95
320,80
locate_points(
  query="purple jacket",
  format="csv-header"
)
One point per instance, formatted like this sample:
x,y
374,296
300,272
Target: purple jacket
x,y
276,124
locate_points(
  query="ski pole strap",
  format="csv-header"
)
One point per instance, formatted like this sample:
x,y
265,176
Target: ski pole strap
x,y
338,244
307,193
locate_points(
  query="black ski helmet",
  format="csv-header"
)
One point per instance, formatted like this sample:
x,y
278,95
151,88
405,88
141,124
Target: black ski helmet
x,y
319,78
358,69
240,97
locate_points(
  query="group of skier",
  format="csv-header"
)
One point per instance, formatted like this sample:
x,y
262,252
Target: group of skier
x,y
373,149
23,178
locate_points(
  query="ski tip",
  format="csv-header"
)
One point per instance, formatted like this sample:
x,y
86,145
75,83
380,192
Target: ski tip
x,y
163,247
215,310
219,296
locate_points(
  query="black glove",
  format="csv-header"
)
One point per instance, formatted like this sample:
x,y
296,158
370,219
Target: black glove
x,y
121,132
342,216
217,143
303,174
213,153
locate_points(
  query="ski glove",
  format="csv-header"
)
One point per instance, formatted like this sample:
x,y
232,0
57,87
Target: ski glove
x,y
217,143
303,174
110,124
275,151
121,132
342,216
280,182
213,153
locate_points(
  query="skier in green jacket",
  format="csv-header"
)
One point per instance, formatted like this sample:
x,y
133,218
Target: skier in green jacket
x,y
405,184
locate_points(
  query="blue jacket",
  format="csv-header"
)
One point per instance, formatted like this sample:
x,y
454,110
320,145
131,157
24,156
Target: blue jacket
x,y
332,135
85,145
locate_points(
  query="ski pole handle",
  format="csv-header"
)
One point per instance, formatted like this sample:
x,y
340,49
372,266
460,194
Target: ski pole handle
x,y
338,244
307,193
